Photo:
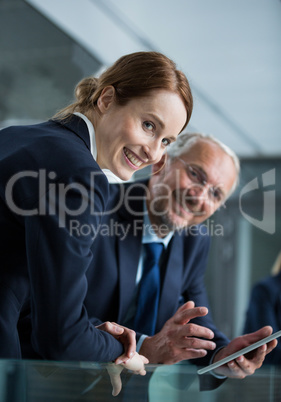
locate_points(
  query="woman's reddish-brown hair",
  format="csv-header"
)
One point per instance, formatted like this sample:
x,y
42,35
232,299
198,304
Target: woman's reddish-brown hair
x,y
133,75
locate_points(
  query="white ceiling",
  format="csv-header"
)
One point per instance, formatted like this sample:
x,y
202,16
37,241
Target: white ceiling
x,y
229,49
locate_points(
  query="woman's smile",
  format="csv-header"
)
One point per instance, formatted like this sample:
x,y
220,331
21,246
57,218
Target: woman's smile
x,y
132,159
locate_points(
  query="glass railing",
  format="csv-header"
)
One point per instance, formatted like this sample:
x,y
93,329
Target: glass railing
x,y
41,381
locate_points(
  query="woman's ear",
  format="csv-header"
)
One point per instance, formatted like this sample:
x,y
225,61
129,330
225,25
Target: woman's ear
x,y
158,167
106,98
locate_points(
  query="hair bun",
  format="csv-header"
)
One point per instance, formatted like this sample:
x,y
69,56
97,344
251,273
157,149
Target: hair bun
x,y
85,88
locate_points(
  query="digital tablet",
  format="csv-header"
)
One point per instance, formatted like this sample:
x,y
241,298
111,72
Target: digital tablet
x,y
239,353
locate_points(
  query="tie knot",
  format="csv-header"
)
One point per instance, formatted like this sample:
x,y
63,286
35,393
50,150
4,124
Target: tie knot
x,y
153,251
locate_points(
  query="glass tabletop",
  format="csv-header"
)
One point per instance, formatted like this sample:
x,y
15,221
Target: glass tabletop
x,y
44,381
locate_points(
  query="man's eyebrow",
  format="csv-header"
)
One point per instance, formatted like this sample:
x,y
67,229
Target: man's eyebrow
x,y
202,171
206,179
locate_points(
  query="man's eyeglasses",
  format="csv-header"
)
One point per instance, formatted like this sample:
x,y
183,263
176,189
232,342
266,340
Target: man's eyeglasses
x,y
198,177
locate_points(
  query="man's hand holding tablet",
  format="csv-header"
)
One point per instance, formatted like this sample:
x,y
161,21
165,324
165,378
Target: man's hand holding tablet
x,y
246,364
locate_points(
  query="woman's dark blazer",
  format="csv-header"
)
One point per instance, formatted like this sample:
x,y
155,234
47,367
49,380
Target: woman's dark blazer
x,y
51,192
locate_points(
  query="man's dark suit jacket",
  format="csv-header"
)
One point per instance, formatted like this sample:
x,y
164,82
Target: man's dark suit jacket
x,y
47,173
265,309
112,276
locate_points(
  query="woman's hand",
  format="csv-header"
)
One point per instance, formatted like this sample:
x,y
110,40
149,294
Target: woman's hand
x,y
125,336
135,364
130,360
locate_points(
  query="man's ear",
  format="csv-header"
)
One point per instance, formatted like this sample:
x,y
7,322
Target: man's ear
x,y
158,167
106,98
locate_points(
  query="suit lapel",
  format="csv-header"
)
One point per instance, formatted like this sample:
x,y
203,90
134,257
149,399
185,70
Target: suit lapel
x,y
129,248
171,283
128,258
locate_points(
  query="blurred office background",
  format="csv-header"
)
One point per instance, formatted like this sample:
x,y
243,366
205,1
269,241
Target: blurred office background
x,y
230,51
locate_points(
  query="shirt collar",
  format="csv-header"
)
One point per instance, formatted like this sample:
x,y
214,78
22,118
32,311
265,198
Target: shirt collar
x,y
91,134
111,177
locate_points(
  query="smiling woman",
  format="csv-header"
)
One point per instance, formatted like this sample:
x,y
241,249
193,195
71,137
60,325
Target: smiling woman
x,y
138,106
51,181
135,135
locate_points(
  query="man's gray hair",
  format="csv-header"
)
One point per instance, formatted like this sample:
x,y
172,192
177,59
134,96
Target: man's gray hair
x,y
186,140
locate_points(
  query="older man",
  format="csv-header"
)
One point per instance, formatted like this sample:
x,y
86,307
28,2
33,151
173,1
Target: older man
x,y
199,175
